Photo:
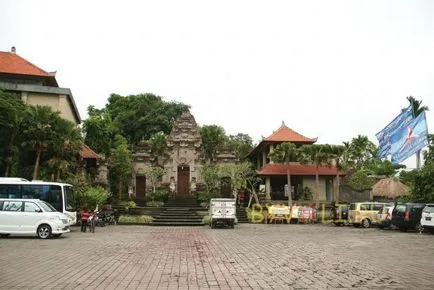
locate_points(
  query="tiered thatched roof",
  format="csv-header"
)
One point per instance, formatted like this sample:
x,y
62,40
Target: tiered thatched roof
x,y
390,188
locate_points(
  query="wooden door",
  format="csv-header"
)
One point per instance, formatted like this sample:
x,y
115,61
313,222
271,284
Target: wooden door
x,y
140,187
183,181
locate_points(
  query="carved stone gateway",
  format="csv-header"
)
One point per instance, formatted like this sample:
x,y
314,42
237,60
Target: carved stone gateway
x,y
182,160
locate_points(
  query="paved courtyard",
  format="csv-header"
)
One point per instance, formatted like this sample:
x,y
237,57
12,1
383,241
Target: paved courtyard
x,y
247,257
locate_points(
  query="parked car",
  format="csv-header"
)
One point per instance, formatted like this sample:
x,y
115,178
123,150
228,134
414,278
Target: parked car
x,y
427,219
365,213
31,217
407,216
384,217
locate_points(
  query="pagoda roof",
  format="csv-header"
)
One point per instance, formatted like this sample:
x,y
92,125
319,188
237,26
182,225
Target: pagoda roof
x,y
283,134
280,169
88,153
12,63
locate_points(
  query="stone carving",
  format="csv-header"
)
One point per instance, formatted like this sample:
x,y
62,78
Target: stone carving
x,y
183,147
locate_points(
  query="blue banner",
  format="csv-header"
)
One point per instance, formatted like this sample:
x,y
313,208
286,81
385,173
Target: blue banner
x,y
384,135
409,139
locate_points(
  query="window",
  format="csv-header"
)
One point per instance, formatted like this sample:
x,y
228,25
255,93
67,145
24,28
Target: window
x,y
47,207
10,191
49,193
429,209
31,207
365,206
353,206
377,207
13,206
399,209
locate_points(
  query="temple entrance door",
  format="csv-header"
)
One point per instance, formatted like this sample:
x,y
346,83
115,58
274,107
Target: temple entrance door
x,y
140,187
183,181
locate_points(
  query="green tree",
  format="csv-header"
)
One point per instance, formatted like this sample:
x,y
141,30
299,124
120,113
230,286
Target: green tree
x,y
285,153
317,155
65,148
361,151
422,187
99,130
12,111
242,144
213,137
142,115
243,177
120,164
211,178
157,142
154,173
39,131
428,155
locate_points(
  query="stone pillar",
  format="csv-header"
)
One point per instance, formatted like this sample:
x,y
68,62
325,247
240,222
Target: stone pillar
x,y
267,188
271,151
264,158
24,97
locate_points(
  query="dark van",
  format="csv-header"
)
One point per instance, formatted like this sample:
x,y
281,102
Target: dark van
x,y
406,216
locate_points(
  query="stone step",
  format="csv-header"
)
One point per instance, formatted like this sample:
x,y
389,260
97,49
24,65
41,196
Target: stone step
x,y
177,224
178,220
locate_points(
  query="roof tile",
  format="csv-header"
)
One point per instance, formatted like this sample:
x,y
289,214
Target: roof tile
x,y
12,63
86,152
285,134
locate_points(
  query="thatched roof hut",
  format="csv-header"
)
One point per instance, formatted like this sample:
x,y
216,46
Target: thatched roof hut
x,y
390,188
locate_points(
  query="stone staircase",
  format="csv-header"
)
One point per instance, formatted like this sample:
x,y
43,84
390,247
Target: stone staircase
x,y
179,212
241,215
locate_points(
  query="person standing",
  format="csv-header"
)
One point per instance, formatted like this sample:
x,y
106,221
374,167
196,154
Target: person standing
x,y
84,216
241,199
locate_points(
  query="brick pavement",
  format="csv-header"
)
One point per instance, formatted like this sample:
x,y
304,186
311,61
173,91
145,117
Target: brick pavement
x,y
247,257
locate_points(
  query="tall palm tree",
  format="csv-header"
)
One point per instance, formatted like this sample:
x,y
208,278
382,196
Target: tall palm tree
x,y
417,110
284,153
316,155
339,153
38,133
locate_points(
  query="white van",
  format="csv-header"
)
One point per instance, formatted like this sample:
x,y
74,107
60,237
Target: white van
x,y
427,219
31,217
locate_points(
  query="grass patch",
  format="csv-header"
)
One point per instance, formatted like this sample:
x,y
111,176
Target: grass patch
x,y
155,203
135,219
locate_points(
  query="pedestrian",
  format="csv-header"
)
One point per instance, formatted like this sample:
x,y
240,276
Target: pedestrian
x,y
241,199
84,216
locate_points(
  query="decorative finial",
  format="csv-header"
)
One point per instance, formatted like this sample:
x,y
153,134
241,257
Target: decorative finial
x,y
283,123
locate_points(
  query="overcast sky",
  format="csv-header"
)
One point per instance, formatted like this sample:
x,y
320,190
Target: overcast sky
x,y
329,69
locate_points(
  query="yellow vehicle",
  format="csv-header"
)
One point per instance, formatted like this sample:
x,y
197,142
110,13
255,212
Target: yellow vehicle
x,y
365,213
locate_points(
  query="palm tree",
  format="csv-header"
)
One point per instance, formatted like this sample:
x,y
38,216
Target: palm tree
x,y
339,153
316,155
284,153
38,132
417,110
66,146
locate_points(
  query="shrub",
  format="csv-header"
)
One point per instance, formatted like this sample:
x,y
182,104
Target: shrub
x,y
127,204
205,220
205,197
160,195
155,203
360,181
91,197
306,194
135,219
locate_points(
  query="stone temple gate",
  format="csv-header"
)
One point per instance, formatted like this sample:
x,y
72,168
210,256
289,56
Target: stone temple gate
x,y
182,160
